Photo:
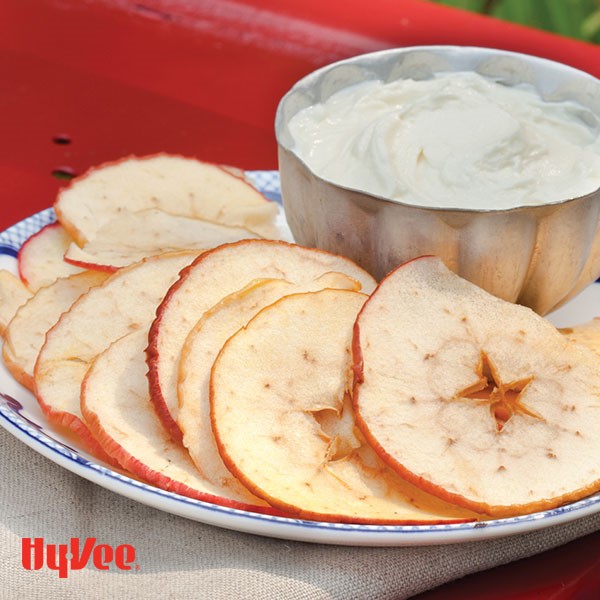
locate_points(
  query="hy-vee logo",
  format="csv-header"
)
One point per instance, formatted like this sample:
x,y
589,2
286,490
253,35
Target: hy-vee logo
x,y
35,553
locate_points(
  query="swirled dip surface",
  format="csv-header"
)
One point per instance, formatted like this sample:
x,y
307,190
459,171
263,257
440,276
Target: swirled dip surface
x,y
456,141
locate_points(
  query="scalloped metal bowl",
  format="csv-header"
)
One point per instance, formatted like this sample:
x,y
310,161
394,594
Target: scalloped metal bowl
x,y
539,256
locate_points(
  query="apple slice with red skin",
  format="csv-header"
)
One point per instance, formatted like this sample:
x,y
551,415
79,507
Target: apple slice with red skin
x,y
212,276
26,332
41,257
117,409
282,418
126,301
476,400
13,294
202,346
132,237
174,184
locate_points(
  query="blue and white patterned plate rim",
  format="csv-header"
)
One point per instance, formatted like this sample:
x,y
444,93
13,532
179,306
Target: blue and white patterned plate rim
x,y
35,432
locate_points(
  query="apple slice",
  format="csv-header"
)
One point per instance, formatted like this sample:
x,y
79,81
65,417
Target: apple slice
x,y
476,400
587,334
40,258
126,301
214,275
174,184
202,347
282,418
117,409
134,236
26,332
13,294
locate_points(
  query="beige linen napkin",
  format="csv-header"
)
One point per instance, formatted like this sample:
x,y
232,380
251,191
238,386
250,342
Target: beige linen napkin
x,y
181,559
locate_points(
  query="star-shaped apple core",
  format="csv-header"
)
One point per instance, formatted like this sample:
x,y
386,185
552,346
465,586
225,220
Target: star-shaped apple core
x,y
504,399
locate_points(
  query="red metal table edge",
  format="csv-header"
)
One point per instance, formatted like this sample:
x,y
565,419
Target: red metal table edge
x,y
92,81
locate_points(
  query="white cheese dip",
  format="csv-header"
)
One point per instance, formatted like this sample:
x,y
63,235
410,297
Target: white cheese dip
x,y
458,140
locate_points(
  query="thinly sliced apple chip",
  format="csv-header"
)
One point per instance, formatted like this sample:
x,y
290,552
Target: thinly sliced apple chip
x,y
202,346
282,419
174,184
41,257
126,301
476,400
134,236
26,332
116,407
587,334
13,294
214,275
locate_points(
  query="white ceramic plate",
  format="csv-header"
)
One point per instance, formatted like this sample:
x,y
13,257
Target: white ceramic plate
x,y
21,416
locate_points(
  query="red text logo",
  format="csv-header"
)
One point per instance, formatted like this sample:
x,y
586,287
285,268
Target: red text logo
x,y
35,553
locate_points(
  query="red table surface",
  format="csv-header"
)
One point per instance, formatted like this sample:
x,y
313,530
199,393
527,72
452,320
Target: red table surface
x,y
85,81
